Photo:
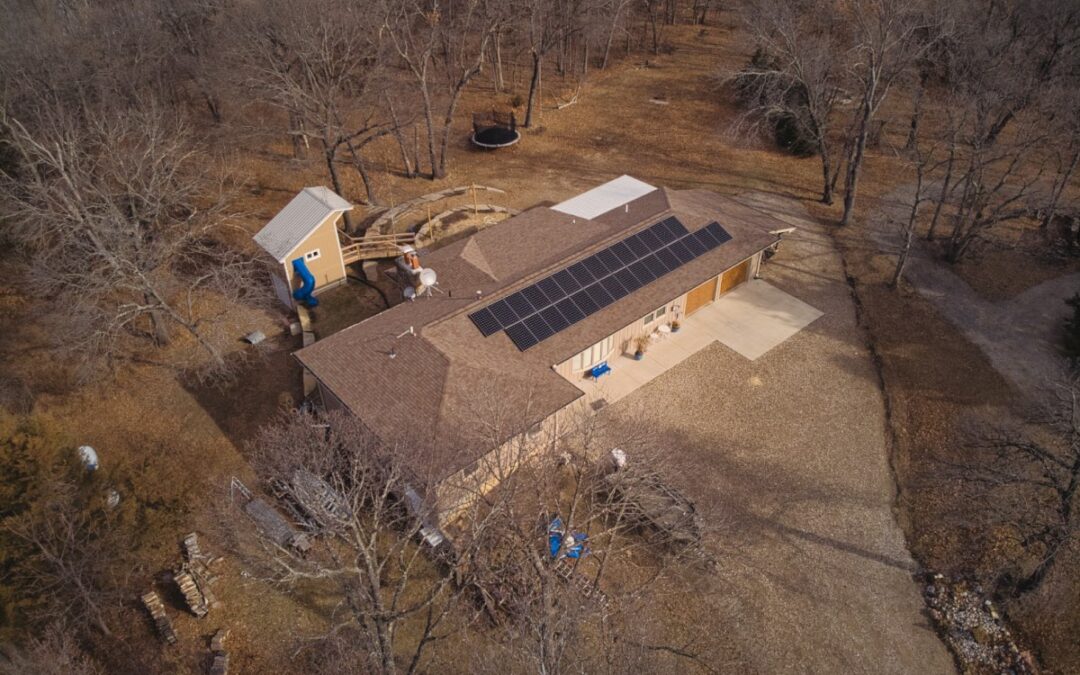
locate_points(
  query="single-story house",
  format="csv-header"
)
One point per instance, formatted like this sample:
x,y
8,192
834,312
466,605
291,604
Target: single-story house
x,y
486,364
306,229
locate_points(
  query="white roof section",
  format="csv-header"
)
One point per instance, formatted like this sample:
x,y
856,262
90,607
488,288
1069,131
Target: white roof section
x,y
300,217
604,198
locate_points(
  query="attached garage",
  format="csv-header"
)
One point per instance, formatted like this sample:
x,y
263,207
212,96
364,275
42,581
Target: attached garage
x,y
735,276
701,296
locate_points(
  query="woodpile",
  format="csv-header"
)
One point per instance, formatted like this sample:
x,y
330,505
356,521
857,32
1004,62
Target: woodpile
x,y
219,663
161,620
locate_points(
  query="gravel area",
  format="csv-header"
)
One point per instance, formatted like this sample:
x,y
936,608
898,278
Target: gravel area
x,y
786,457
1020,336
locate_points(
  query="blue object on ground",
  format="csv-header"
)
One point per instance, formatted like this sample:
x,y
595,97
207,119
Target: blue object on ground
x,y
599,370
304,293
577,540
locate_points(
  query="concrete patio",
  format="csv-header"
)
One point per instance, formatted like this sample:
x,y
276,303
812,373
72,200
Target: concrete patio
x,y
750,320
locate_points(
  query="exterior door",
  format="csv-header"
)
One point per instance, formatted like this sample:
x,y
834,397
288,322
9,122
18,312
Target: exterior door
x,y
700,296
735,276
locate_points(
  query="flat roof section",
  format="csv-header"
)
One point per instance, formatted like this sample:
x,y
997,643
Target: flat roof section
x,y
603,198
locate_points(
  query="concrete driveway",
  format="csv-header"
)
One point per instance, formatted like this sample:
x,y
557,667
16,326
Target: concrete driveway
x,y
786,457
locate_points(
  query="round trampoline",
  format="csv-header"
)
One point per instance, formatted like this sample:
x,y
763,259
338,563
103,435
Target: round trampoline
x,y
494,130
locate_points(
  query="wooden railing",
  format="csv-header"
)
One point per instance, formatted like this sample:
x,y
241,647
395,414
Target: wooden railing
x,y
374,246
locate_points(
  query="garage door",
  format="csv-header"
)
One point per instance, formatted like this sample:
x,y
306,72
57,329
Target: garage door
x,y
700,296
734,276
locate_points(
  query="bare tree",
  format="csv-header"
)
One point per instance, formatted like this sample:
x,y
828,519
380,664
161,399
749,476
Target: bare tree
x,y
363,499
1028,483
54,652
921,160
442,48
888,37
797,79
121,218
321,65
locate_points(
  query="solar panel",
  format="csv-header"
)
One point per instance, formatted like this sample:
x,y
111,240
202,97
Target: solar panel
x,y
585,303
596,266
538,327
695,245
520,304
566,282
637,246
570,311
651,241
502,312
668,258
520,336
485,321
615,289
535,296
554,318
608,257
551,289
580,273
681,252
554,303
626,256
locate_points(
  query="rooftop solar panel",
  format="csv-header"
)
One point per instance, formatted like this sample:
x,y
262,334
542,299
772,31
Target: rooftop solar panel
x,y
554,318
520,336
535,296
566,282
556,302
570,311
520,304
486,322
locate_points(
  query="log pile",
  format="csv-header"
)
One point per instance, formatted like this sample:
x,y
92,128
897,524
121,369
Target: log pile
x,y
161,620
219,664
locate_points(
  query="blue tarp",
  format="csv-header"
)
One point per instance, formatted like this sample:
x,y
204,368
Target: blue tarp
x,y
575,542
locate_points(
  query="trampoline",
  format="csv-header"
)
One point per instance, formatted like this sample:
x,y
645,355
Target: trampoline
x,y
495,130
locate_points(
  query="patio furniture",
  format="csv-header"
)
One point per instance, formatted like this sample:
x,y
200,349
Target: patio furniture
x,y
599,370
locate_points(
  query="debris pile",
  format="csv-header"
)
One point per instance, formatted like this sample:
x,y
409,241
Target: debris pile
x,y
193,577
972,628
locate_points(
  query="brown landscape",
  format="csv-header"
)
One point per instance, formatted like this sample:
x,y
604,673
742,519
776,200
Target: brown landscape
x,y
912,431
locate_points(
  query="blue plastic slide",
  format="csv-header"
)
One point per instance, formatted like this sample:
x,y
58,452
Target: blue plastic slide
x,y
304,293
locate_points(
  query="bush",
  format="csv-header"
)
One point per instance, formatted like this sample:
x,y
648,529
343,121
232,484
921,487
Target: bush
x,y
1072,330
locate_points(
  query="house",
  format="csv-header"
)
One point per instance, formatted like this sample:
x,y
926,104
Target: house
x,y
307,229
485,366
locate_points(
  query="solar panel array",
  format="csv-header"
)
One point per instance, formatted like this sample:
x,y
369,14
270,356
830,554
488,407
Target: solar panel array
x,y
560,300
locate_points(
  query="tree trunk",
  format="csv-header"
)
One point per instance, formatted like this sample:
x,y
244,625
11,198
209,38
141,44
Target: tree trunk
x,y
916,114
946,186
826,171
430,122
851,179
534,87
498,69
909,232
361,168
407,166
160,326
295,131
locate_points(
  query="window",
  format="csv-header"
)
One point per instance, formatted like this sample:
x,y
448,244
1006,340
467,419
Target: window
x,y
654,316
594,355
312,255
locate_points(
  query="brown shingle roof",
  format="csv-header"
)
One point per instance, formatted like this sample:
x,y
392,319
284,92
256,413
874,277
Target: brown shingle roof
x,y
462,393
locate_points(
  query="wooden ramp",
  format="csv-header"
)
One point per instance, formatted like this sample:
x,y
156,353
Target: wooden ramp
x,y
374,246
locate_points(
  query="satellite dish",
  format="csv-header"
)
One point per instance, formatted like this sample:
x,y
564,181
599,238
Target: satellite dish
x,y
409,292
428,276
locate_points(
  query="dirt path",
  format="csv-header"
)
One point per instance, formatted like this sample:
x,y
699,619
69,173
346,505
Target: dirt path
x,y
1020,336
787,454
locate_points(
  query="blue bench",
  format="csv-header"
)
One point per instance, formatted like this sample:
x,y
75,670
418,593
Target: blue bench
x,y
599,370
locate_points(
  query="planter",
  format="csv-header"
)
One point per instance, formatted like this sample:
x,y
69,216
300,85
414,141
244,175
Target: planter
x,y
639,355
675,329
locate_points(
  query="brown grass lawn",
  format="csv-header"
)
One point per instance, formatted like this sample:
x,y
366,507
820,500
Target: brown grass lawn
x,y
194,438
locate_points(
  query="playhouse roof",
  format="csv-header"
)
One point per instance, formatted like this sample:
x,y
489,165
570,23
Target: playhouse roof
x,y
604,198
444,374
303,215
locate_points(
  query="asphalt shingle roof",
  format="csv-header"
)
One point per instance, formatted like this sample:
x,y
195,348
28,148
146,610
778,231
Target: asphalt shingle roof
x,y
451,394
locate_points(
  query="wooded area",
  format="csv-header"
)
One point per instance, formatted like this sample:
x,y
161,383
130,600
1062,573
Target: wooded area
x,y
125,206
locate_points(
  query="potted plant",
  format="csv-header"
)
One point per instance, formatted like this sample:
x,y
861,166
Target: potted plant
x,y
641,344
675,326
